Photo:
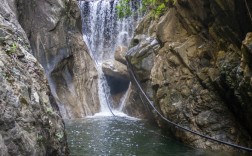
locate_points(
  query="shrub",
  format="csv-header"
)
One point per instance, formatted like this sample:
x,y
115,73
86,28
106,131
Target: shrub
x,y
12,49
155,7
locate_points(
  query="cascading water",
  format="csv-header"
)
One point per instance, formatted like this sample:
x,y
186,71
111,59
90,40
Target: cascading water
x,y
103,33
123,99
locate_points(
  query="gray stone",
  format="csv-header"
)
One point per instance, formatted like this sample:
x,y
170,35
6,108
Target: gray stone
x,y
3,148
120,54
115,69
57,42
190,77
24,96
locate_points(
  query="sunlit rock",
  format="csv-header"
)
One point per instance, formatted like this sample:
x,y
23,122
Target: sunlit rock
x,y
115,69
56,39
120,54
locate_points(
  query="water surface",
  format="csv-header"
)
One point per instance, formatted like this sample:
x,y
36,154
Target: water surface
x,y
123,136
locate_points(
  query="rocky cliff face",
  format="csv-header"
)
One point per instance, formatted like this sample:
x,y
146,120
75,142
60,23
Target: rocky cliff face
x,y
54,30
30,123
190,64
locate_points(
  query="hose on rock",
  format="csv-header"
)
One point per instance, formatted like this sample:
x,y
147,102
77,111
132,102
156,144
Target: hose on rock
x,y
174,124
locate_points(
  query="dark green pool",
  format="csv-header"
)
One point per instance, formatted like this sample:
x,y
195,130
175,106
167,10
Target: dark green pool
x,y
123,137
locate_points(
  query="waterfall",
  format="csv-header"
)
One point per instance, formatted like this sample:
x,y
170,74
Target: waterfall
x,y
123,99
103,32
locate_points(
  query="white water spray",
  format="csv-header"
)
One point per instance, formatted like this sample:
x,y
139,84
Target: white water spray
x,y
123,99
103,33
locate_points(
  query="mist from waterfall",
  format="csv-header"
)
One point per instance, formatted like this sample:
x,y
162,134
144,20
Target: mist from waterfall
x,y
103,32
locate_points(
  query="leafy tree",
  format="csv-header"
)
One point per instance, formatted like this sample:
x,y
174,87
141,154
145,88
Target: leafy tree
x,y
155,7
123,8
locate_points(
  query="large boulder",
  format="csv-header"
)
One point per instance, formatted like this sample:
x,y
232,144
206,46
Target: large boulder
x,y
115,69
117,77
30,123
141,57
55,33
196,78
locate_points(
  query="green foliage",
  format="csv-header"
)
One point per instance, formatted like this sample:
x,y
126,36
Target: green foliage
x,y
40,139
60,135
155,7
159,10
49,110
123,8
12,49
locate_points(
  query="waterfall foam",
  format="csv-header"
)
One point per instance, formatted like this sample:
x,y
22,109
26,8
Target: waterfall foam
x,y
103,32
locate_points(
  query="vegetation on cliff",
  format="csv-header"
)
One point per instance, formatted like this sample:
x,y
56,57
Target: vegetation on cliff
x,y
197,78
30,123
156,7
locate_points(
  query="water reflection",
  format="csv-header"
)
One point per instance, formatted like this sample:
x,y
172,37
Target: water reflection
x,y
123,136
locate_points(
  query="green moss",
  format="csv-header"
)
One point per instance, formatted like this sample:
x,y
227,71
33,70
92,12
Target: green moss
x,y
59,135
49,110
12,49
40,139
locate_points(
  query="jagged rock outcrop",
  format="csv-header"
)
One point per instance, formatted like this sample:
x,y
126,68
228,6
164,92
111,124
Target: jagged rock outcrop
x,y
115,69
30,123
234,82
120,54
134,106
117,77
141,56
54,30
198,77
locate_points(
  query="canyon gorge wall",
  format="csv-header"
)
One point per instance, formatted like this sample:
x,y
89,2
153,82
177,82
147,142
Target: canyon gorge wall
x,y
191,65
30,123
194,62
54,30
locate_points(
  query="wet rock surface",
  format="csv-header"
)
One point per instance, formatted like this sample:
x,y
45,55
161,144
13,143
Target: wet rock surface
x,y
196,74
55,32
30,123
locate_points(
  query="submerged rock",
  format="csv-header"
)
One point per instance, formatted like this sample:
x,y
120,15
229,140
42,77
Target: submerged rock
x,y
30,123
